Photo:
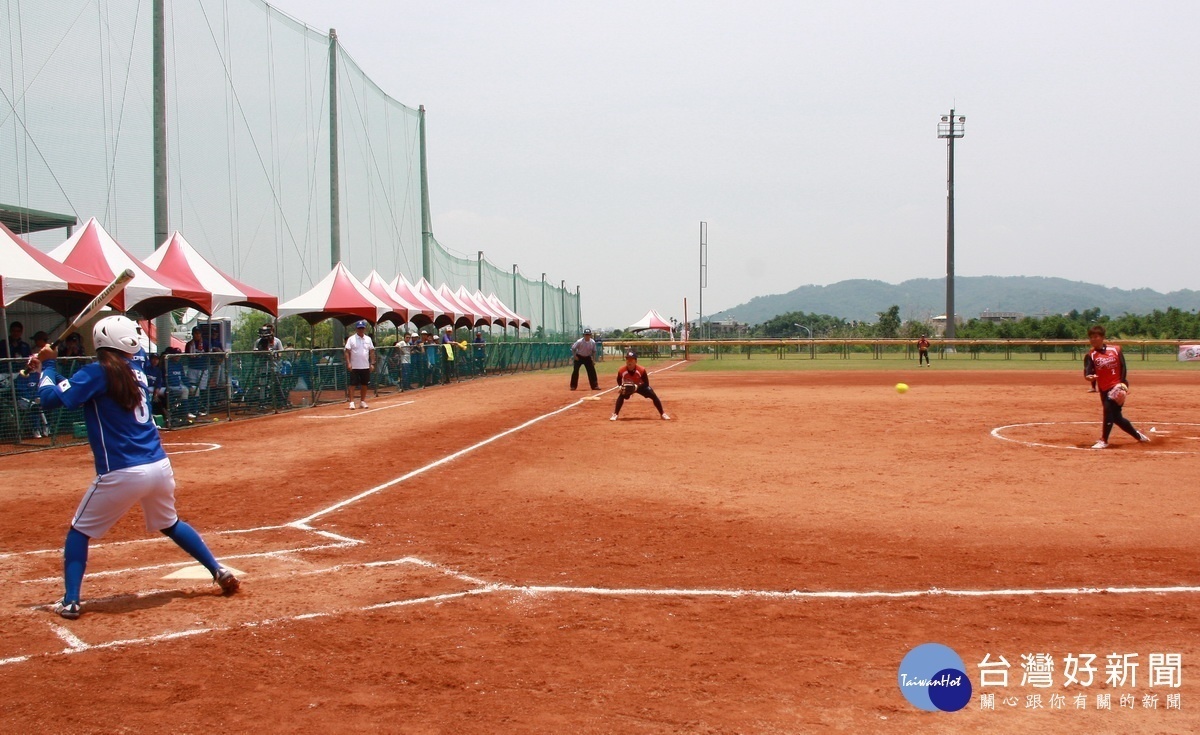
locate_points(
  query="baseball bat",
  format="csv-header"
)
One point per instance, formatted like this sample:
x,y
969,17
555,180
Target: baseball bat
x,y
95,305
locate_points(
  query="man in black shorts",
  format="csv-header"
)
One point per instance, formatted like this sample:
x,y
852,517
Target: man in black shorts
x,y
360,362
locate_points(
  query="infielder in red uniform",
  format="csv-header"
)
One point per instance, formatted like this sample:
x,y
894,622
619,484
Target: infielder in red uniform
x,y
633,378
1105,367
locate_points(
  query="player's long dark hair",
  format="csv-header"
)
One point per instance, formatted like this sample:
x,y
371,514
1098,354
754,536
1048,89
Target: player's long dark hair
x,y
122,385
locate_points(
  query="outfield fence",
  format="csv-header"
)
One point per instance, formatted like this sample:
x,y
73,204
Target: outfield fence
x,y
230,386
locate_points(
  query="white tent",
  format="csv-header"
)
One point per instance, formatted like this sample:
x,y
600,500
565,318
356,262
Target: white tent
x,y
652,320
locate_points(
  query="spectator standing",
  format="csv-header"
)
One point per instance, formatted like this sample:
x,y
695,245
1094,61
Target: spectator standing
x,y
360,361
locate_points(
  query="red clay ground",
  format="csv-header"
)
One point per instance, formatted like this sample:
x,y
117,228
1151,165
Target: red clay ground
x,y
817,481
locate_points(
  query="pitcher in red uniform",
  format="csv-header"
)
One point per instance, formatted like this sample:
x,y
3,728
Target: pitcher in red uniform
x,y
1105,367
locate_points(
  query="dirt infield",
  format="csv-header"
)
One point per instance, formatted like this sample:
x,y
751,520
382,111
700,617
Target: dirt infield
x,y
496,556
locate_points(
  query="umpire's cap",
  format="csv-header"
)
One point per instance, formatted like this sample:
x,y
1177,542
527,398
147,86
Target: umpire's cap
x,y
362,324
631,354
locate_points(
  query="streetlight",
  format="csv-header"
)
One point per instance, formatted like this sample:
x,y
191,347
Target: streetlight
x,y
811,346
950,127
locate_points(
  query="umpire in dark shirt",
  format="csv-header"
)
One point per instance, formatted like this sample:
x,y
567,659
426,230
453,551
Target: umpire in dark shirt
x,y
584,352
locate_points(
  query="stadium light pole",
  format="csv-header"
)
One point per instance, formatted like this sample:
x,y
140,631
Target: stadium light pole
x,y
703,274
950,127
563,292
811,347
543,306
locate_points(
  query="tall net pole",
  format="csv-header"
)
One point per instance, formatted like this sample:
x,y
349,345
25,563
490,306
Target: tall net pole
x,y
426,224
162,223
950,127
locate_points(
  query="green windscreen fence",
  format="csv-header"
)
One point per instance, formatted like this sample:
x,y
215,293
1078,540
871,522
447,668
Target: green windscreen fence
x,y
248,92
546,305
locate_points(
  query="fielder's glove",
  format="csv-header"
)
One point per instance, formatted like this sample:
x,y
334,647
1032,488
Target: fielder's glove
x,y
628,389
1118,393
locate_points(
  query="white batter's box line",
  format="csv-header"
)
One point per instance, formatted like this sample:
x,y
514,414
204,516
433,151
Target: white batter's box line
x,y
74,643
434,566
436,599
150,540
359,412
174,564
327,534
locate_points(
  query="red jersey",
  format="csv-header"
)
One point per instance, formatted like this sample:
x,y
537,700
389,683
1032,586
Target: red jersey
x,y
1107,364
637,376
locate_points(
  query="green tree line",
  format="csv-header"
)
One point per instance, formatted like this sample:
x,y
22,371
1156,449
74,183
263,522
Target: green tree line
x,y
1169,324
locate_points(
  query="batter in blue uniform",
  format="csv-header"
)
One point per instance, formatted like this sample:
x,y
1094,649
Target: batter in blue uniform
x,y
131,465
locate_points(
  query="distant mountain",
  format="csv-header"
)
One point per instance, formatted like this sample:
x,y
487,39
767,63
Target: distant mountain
x,y
922,298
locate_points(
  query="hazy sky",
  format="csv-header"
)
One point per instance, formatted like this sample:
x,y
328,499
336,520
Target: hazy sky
x,y
589,139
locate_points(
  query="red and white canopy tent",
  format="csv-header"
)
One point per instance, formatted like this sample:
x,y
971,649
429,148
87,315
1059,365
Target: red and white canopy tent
x,y
95,252
339,296
178,261
404,310
481,306
477,316
513,317
407,291
457,316
28,273
652,320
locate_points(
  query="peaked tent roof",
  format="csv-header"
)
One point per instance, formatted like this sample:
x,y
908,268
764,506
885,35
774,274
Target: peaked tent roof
x,y
652,320
481,306
339,296
477,317
429,309
178,260
514,317
95,252
454,312
28,273
402,310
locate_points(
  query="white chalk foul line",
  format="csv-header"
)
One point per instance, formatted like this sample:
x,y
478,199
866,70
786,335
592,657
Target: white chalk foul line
x,y
189,562
356,412
75,645
303,522
837,594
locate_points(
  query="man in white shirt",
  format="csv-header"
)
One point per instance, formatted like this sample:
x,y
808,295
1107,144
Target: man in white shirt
x,y
360,361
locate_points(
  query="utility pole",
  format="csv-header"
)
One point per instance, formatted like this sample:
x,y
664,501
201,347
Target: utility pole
x,y
951,127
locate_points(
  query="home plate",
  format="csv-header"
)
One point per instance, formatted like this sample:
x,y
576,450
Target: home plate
x,y
197,571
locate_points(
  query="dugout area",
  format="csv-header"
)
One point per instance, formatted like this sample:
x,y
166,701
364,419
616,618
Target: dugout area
x,y
498,556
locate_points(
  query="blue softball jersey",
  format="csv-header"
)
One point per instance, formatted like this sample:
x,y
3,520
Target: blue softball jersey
x,y
119,438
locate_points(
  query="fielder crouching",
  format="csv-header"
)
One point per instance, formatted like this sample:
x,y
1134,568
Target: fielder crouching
x,y
633,378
